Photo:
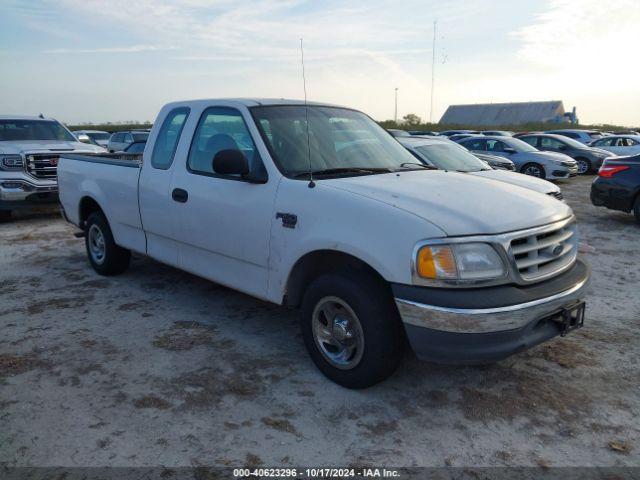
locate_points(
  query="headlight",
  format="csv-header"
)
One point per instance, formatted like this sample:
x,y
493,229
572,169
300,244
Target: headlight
x,y
11,162
460,261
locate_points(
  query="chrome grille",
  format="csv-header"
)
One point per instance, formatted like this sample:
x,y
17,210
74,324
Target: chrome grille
x,y
557,195
42,165
546,252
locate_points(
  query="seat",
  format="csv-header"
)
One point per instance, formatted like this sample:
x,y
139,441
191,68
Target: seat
x,y
216,143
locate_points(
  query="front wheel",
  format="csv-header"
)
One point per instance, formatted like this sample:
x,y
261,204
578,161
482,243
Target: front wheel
x,y
105,256
352,329
534,169
584,166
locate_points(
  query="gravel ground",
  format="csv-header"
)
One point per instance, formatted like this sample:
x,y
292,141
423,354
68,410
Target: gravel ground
x,y
158,367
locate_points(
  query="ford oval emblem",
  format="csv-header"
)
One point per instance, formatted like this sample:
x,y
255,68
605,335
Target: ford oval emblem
x,y
557,250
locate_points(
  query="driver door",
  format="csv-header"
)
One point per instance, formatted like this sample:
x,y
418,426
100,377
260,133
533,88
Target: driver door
x,y
224,220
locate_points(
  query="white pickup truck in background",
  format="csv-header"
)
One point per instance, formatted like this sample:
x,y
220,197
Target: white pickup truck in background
x,y
374,247
29,151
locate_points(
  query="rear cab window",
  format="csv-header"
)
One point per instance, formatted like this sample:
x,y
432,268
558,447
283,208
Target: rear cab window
x,y
167,141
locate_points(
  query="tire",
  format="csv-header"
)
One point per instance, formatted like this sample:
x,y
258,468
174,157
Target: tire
x,y
105,256
377,331
534,170
584,166
5,216
636,209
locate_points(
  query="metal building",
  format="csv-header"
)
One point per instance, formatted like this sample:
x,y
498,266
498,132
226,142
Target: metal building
x,y
487,114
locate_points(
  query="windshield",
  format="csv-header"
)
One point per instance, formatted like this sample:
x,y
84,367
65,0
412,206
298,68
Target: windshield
x,y
99,136
338,138
15,130
519,145
451,157
571,142
140,136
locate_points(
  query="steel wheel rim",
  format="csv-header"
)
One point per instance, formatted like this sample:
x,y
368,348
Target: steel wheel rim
x,y
582,166
533,171
337,333
97,247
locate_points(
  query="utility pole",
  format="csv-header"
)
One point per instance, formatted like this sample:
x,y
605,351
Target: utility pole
x,y
433,69
395,112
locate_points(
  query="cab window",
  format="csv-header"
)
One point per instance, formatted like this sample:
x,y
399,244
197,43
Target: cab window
x,y
220,128
167,141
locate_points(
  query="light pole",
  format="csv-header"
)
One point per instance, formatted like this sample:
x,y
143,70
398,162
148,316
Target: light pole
x,y
395,112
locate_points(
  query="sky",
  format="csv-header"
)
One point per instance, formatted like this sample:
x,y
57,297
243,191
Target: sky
x,y
121,60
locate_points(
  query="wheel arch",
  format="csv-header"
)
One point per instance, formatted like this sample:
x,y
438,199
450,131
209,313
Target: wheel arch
x,y
87,206
317,262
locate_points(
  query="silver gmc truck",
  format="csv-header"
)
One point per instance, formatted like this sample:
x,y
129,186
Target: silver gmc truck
x,y
29,152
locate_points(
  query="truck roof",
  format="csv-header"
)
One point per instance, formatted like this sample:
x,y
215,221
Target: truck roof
x,y
251,102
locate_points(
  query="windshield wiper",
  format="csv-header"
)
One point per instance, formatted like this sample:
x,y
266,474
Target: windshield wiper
x,y
415,164
341,170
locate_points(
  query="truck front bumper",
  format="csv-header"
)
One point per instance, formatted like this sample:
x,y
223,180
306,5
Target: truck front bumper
x,y
483,325
18,193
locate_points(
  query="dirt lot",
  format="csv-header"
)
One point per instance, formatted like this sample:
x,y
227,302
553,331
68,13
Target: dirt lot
x,y
158,367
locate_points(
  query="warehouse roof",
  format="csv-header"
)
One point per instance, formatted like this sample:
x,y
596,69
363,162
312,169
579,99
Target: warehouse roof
x,y
504,113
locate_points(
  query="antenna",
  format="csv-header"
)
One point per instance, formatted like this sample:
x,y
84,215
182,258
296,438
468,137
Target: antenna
x,y
433,70
306,115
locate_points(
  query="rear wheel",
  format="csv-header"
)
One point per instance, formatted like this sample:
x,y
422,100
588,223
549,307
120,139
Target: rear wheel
x,y
5,215
352,329
584,166
105,256
534,169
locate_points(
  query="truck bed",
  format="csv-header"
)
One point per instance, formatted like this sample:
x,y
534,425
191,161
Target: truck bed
x,y
122,159
111,180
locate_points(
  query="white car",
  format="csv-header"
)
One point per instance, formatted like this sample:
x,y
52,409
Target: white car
x,y
318,207
622,145
97,137
583,136
455,158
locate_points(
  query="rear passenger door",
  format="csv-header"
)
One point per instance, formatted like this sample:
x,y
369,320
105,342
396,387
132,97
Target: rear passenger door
x,y
224,220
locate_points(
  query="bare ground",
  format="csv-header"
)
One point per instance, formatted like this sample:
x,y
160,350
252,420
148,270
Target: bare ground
x,y
158,367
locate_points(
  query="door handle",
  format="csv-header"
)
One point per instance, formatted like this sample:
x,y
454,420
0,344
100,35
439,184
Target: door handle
x,y
180,195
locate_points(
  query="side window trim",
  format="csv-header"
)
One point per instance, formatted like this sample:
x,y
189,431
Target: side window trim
x,y
193,140
169,118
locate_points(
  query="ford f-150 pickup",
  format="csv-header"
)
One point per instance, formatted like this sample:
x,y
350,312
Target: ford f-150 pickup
x,y
29,151
316,206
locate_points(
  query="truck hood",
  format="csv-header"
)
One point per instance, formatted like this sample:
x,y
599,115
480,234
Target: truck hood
x,y
458,203
22,146
526,181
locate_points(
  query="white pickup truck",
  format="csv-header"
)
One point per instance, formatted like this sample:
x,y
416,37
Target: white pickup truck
x,y
318,207
29,151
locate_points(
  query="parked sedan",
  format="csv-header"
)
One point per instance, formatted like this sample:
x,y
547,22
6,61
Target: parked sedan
x,y
618,185
582,136
624,145
589,159
448,156
97,137
121,140
497,133
448,133
494,161
527,159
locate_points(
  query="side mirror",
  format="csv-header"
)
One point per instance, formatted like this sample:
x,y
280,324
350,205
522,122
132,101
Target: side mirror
x,y
84,138
230,162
